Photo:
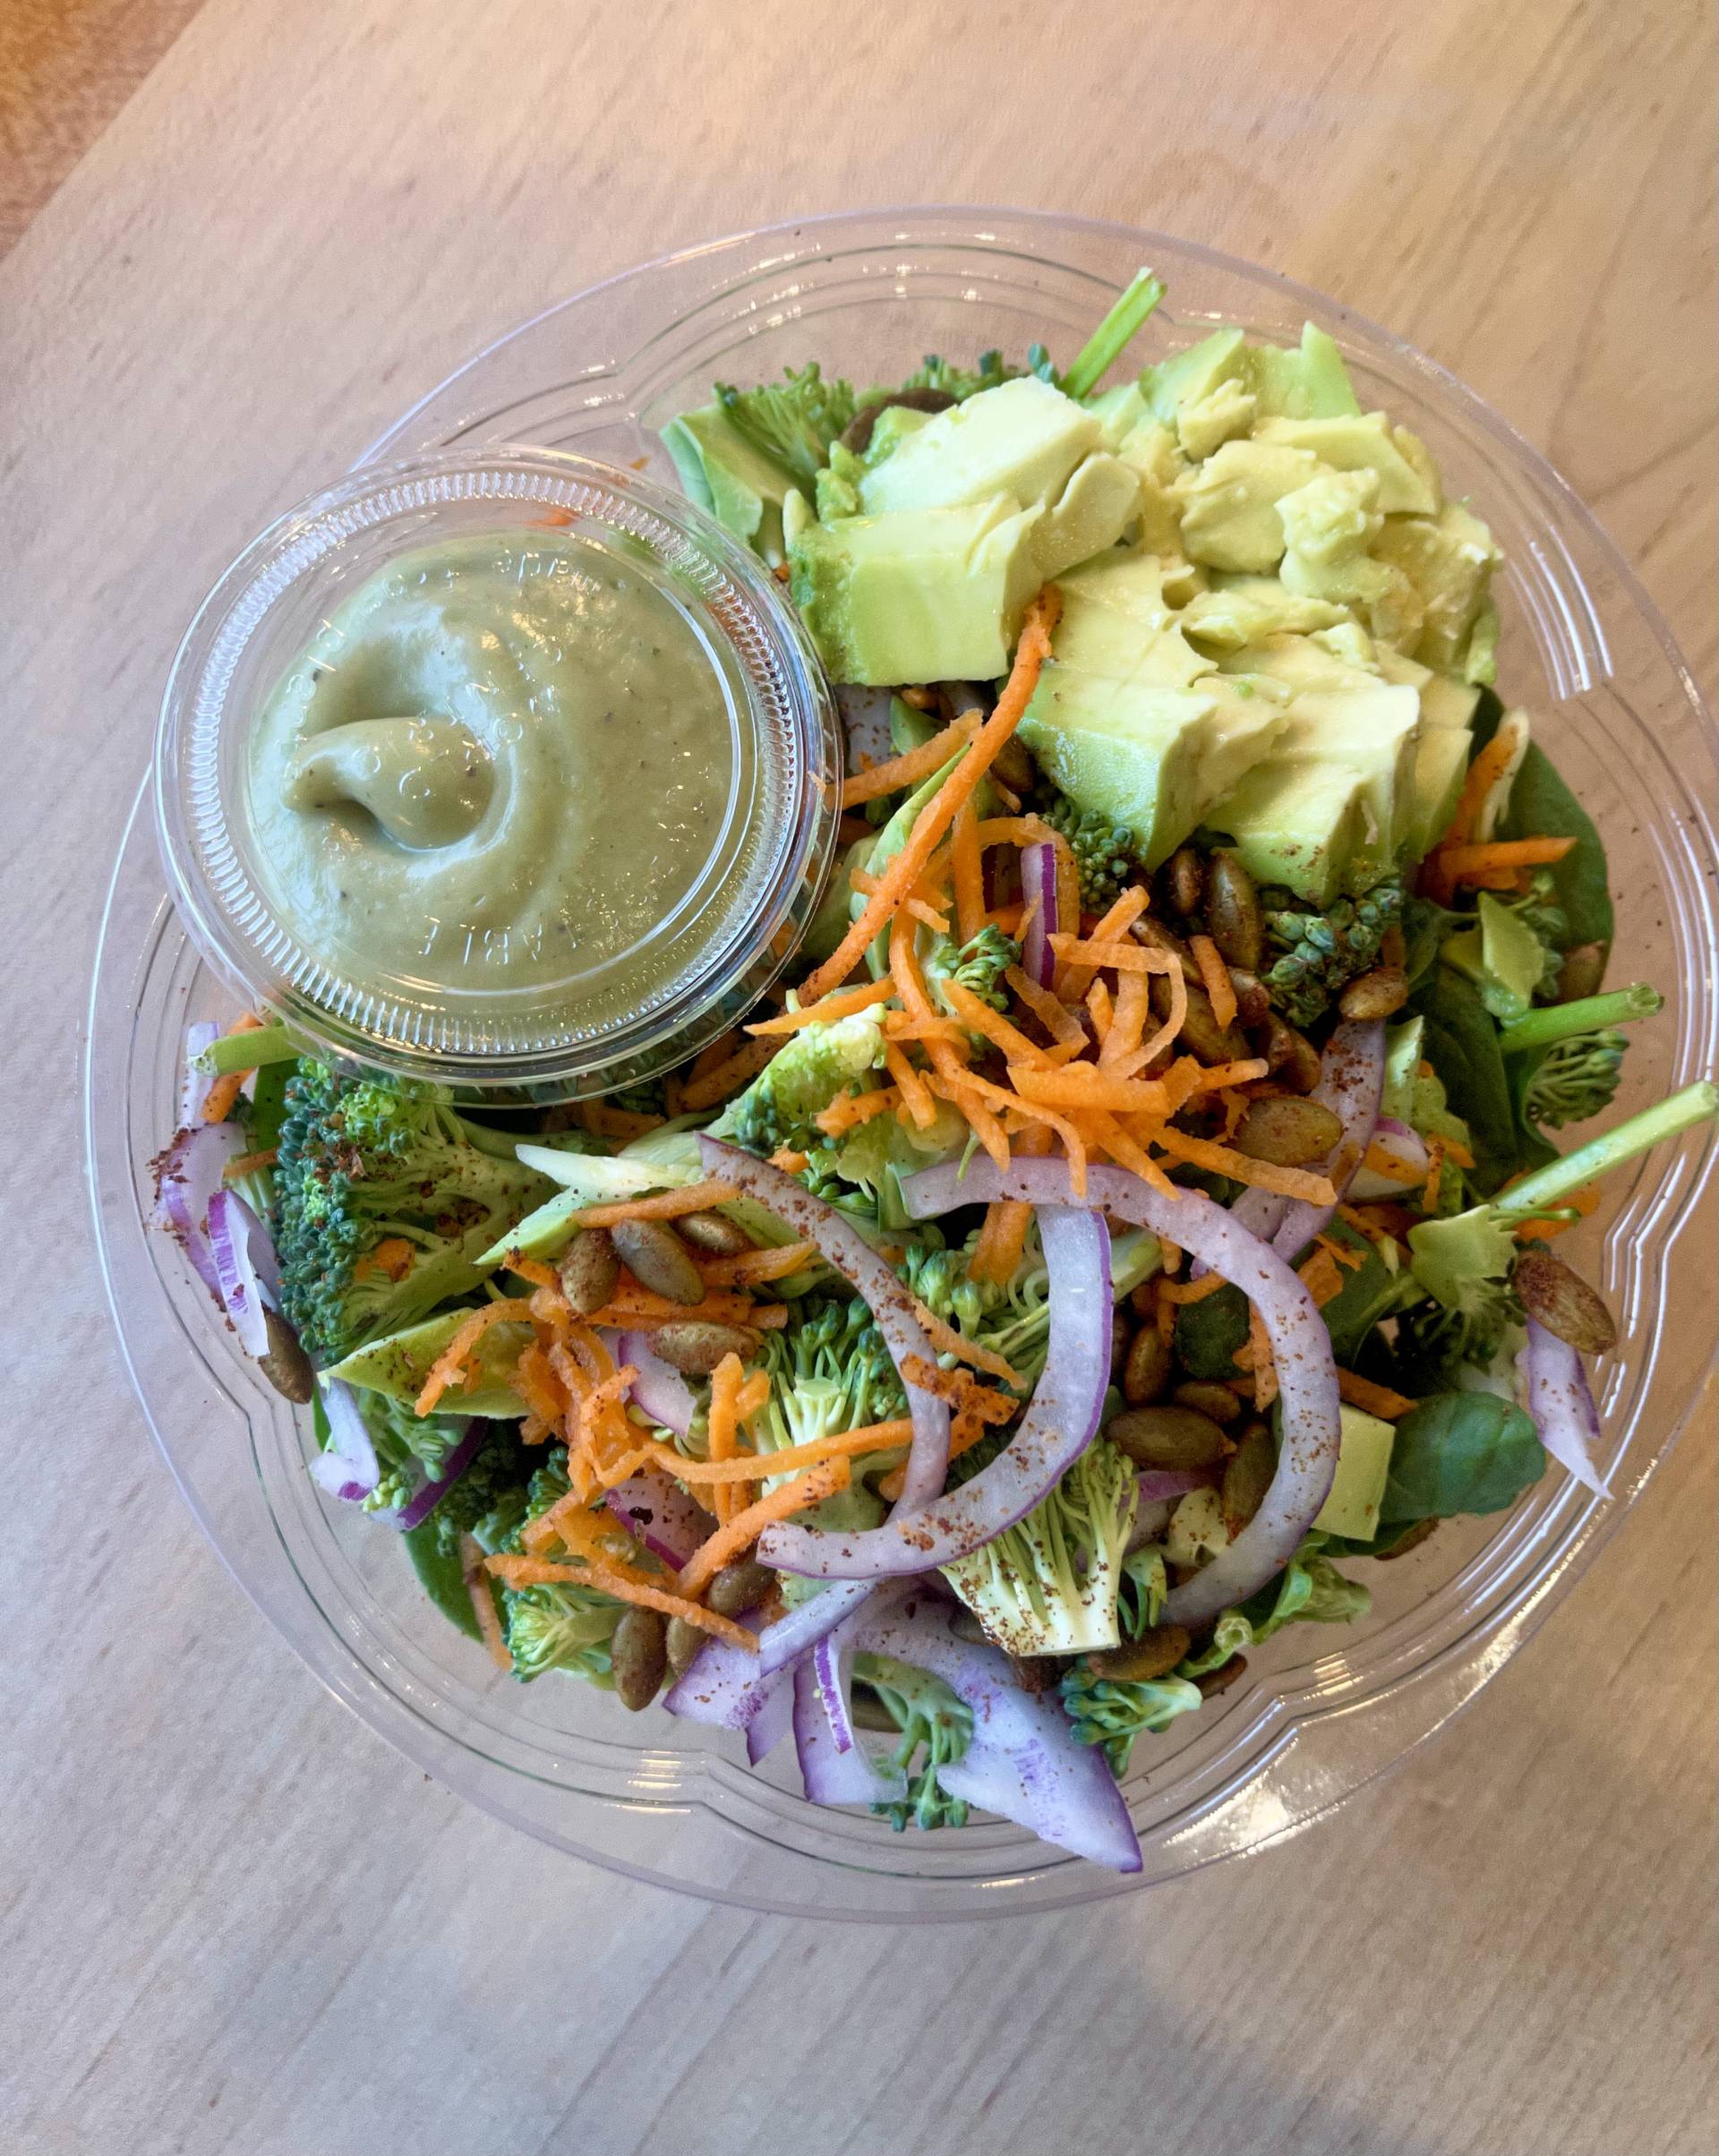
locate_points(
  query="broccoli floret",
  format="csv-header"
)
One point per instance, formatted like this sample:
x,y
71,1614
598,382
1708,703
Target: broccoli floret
x,y
1048,1585
930,1714
942,1282
492,1501
1014,1320
795,421
979,965
959,382
782,1104
1578,1077
1322,953
1113,1715
411,1450
1103,850
830,1370
1145,1583
562,1627
362,1167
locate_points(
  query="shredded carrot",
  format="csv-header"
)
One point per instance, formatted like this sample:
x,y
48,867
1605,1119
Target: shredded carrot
x,y
608,1580
1015,831
1110,930
1377,1161
1487,767
1098,1001
620,1122
969,876
633,1306
1265,1372
535,1271
743,1529
663,1205
533,1380
1087,1085
962,1093
1149,1051
914,765
733,1072
249,1164
1462,863
976,1013
1214,976
1002,1239
1128,1148
1342,1254
961,1388
971,1093
1181,1292
450,1363
748,1267
916,1100
842,1003
1371,1398
1051,1011
1261,1175
723,1441
471,1561
789,1159
901,1025
946,1340
848,1111
939,813
1434,1175
1127,1028
222,1096
1320,1276
1581,1203
725,1476
392,1257
930,917
1085,955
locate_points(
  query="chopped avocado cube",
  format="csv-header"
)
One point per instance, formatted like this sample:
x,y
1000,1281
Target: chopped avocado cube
x,y
920,596
1239,611
1151,452
1408,481
1450,560
1100,501
1329,525
1501,956
1229,503
1185,377
1444,700
1440,766
1480,661
1149,755
1302,662
1117,411
1023,438
1223,415
1095,641
730,480
1322,811
1358,1487
1310,383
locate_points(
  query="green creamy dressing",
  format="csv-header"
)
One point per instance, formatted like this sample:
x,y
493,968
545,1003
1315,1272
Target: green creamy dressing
x,y
501,764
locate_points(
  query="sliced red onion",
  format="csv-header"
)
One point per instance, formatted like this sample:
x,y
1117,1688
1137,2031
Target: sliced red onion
x,y
658,1512
1060,1423
835,1767
1023,1762
1260,1211
194,1089
246,1272
726,1686
1301,1348
349,1467
1561,1404
187,1176
424,1502
1160,1484
1352,1083
773,1719
1397,1142
1150,1520
1039,881
865,721
659,1388
928,1458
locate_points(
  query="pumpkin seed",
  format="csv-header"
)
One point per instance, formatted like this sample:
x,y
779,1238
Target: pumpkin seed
x,y
1234,919
740,1586
1418,1534
287,1366
857,434
1206,1397
1582,971
714,1233
1290,1058
1169,1437
590,1269
1014,765
1147,1369
1119,1340
1184,881
1288,1130
683,1644
695,1347
638,1655
1253,1005
1221,1680
1247,1476
1201,1032
1375,994
659,1260
1564,1302
1155,1654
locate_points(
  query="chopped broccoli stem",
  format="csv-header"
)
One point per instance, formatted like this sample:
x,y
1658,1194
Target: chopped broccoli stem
x,y
1112,333
1559,1021
248,1051
1560,1179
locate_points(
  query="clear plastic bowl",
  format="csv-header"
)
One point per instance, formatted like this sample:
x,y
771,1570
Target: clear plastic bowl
x,y
1321,1709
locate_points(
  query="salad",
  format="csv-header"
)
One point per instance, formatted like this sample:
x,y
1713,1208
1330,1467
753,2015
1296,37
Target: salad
x,y
1137,1211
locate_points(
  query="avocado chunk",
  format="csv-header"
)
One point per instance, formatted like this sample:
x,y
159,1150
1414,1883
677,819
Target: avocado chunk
x,y
1100,501
730,480
1149,451
1239,611
920,596
1445,701
1450,560
1440,766
1310,383
1329,525
1358,1487
1187,376
1117,411
1322,812
1229,504
1023,438
1223,415
1408,480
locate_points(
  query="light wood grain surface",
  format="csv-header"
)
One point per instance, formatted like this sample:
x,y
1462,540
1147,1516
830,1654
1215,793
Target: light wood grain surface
x,y
231,1921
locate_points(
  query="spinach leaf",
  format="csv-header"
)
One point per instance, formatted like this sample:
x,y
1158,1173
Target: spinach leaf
x,y
441,1577
1209,1332
1461,1044
1460,1452
1484,723
1543,807
1370,1293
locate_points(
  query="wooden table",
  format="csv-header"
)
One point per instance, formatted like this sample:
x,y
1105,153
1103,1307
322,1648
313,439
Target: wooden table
x,y
232,1921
